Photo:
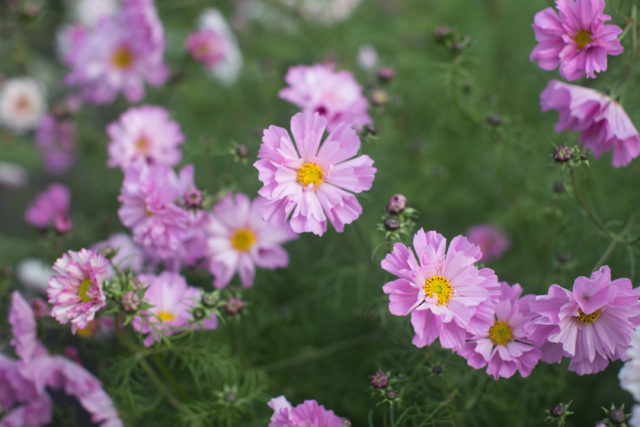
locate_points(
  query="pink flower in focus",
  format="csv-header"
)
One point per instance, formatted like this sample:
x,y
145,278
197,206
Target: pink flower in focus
x,y
206,46
575,38
56,139
505,346
307,414
491,240
309,183
591,325
239,239
144,134
445,293
51,208
601,121
75,288
333,94
172,300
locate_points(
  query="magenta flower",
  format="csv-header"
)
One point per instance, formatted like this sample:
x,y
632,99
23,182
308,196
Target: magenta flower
x,y
333,94
309,183
207,47
308,414
445,293
601,121
144,134
75,288
576,38
505,346
51,208
591,325
491,240
56,139
239,239
172,300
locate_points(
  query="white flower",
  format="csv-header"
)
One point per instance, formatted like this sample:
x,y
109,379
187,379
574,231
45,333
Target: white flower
x,y
367,57
228,68
13,175
22,104
325,11
89,12
34,274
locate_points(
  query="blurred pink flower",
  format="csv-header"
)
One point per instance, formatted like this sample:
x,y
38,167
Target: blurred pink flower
x,y
445,293
333,94
50,208
206,46
129,256
308,413
601,121
56,139
309,184
239,239
576,38
491,240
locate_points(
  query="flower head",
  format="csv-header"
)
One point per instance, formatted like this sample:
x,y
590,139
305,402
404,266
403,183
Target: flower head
x,y
602,122
22,104
491,240
308,413
576,38
445,293
56,139
129,256
50,207
308,181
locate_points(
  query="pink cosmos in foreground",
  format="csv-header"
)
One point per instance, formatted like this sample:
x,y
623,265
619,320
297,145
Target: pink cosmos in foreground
x,y
56,139
307,181
75,288
239,239
309,414
602,122
591,325
491,240
51,208
447,296
575,38
144,134
23,383
504,347
333,94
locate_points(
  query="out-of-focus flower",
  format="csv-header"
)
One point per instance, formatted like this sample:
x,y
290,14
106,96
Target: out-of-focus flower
x,y
51,207
575,38
324,11
90,12
34,274
367,57
308,413
12,175
239,240
144,134
491,240
445,293
56,139
333,94
629,375
602,122
22,104
129,256
308,184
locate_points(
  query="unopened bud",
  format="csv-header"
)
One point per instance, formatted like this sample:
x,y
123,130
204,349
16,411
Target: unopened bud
x,y
379,97
379,380
442,33
390,394
397,203
556,410
193,198
62,223
346,422
199,313
242,151
562,153
386,74
209,299
234,306
558,187
617,416
391,223
130,302
436,369
494,119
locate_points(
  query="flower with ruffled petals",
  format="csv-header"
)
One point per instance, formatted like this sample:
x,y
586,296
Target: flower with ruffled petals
x,y
51,207
333,94
576,38
309,414
591,325
239,239
75,288
144,134
602,122
504,347
56,139
445,293
491,240
308,181
22,104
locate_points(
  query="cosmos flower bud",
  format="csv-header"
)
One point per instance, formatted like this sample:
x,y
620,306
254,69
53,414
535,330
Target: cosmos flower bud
x,y
494,119
379,380
397,203
199,313
234,306
242,151
436,369
562,153
386,74
556,410
391,394
617,416
391,223
130,302
558,187
442,33
379,97
209,299
193,198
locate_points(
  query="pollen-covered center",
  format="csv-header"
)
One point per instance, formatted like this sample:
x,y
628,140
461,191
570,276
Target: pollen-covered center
x,y
587,318
165,316
22,104
242,239
439,286
310,173
500,333
142,145
582,38
122,58
83,290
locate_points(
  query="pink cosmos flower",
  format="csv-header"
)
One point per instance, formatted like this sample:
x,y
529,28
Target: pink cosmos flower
x,y
144,134
445,293
129,256
491,240
505,346
239,239
308,414
56,139
308,181
576,38
333,94
75,288
601,121
206,46
51,207
172,300
591,325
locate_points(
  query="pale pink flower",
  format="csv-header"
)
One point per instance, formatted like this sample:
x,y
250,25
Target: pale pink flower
x,y
575,38
308,414
56,139
239,240
206,46
333,94
307,182
50,208
491,240
129,256
629,375
216,46
22,104
601,121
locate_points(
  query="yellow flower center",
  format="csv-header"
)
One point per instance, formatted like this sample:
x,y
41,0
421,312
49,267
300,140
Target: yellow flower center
x,y
582,38
142,145
165,316
122,58
83,290
310,173
439,286
242,239
500,333
587,318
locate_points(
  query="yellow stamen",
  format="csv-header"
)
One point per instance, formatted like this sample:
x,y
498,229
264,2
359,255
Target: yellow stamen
x,y
83,290
582,38
122,58
500,333
89,331
142,145
439,286
310,173
242,239
165,316
587,318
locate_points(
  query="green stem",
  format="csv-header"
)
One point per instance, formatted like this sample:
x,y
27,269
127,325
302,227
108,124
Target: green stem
x,y
173,401
456,96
